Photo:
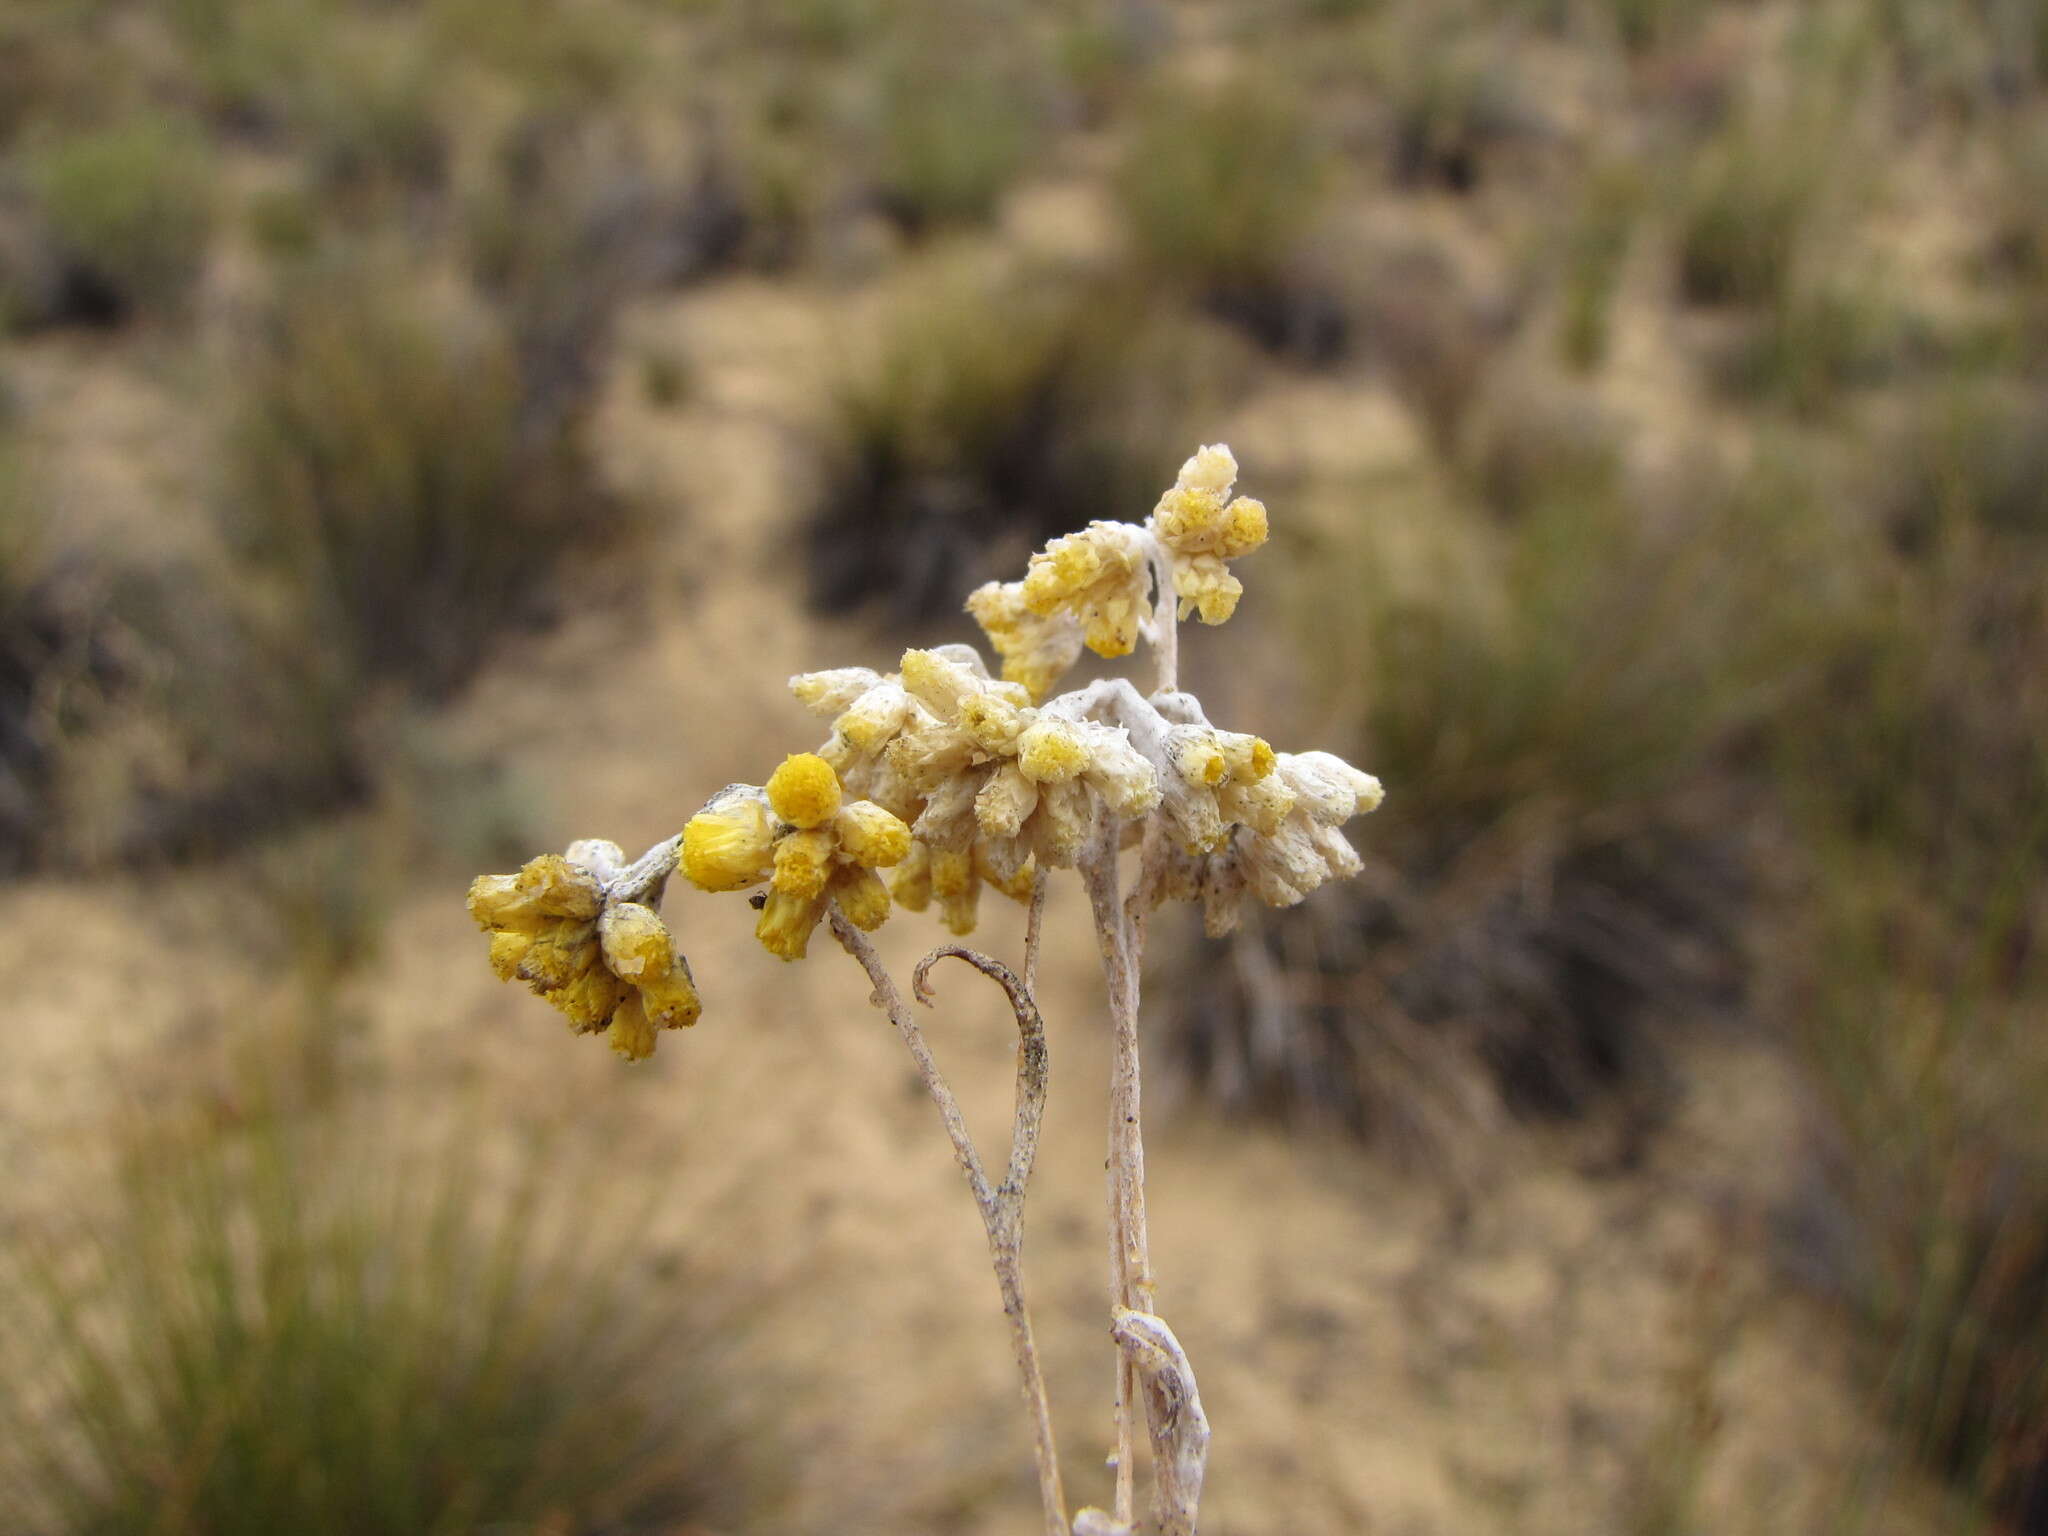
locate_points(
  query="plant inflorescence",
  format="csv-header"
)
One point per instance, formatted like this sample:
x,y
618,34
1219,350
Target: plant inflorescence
x,y
951,778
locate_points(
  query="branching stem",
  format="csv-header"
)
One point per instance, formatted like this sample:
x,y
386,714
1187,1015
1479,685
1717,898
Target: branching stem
x,y
1001,1206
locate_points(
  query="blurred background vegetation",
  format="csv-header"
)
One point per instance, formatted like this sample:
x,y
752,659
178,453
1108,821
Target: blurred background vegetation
x,y
1653,400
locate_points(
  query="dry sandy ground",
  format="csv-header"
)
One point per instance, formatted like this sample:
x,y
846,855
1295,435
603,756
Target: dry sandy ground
x,y
1545,1349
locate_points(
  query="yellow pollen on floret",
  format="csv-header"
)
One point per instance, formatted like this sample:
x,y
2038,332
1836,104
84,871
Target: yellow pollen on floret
x,y
862,897
804,791
1249,758
729,845
1187,515
1244,528
589,1000
911,885
1052,752
558,956
786,923
1206,588
508,948
957,887
671,1000
1112,628
1036,649
952,872
803,861
1217,604
1036,674
924,672
1063,568
496,900
1201,761
872,836
867,733
991,720
631,1033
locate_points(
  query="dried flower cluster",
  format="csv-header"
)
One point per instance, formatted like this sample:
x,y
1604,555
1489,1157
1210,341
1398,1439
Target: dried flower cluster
x,y
954,779
581,930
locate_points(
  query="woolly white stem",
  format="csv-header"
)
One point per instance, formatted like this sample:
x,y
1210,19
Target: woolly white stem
x,y
1130,1259
1165,625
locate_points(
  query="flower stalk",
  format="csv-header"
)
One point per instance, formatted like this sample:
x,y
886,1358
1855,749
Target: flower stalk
x,y
938,780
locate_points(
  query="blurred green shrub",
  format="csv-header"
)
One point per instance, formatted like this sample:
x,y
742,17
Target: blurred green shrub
x,y
1646,25
1553,693
561,54
953,129
249,64
127,210
991,403
317,1323
1453,97
51,67
1597,246
1974,451
623,217
1223,189
1746,205
1100,52
1221,186
369,116
1919,1016
1822,339
395,474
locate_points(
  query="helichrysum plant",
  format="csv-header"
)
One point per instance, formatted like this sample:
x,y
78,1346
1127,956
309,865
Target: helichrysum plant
x,y
939,779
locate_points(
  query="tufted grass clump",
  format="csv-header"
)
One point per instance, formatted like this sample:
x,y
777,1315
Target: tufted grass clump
x,y
1454,102
311,1322
951,129
1917,1015
1747,210
127,212
1224,189
394,472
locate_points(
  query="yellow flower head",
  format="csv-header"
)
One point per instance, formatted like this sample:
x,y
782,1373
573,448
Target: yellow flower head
x,y
812,850
730,844
555,926
804,791
1037,650
786,923
803,862
863,898
871,836
1288,840
1201,528
1052,751
1100,576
